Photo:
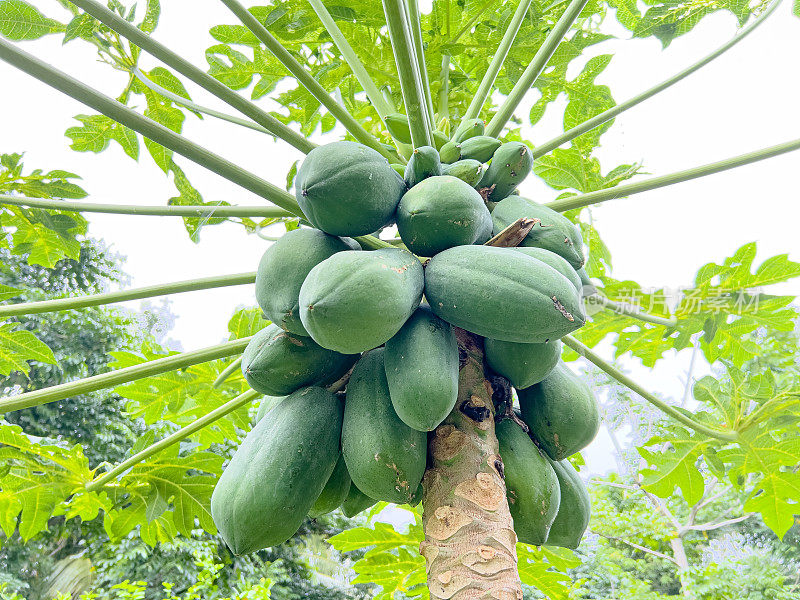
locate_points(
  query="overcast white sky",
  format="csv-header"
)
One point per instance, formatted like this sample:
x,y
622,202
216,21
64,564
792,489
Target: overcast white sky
x,y
748,99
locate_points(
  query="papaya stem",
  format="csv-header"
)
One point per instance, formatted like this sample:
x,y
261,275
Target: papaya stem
x,y
227,372
408,72
535,68
653,183
200,211
633,312
382,107
444,88
470,543
145,126
305,78
415,25
612,112
372,243
174,438
513,235
120,376
168,57
485,87
194,106
609,369
150,291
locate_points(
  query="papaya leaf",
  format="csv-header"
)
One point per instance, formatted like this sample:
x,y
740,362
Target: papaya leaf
x,y
18,346
190,196
96,133
22,21
543,568
246,322
6,292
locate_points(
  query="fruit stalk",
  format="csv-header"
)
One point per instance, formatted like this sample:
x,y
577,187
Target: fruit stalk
x,y
470,544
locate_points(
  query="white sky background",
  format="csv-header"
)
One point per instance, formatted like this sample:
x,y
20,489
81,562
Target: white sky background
x,y
745,100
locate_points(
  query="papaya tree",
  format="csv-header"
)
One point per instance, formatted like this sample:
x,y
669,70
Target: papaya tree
x,y
463,403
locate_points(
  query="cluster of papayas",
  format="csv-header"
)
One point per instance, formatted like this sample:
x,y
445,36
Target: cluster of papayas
x,y
344,317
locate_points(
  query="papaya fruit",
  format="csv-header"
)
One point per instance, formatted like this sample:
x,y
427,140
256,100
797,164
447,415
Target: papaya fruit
x,y
559,263
284,267
277,362
589,288
354,301
421,363
480,148
401,169
468,170
335,491
346,188
399,129
485,230
522,364
267,404
561,412
384,456
450,152
502,294
511,164
552,231
531,484
468,128
423,163
356,502
278,471
574,510
439,213
440,139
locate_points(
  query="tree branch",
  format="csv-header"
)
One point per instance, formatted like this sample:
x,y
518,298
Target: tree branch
x,y
637,546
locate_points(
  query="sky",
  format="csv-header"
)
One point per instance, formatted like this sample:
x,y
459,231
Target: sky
x,y
746,100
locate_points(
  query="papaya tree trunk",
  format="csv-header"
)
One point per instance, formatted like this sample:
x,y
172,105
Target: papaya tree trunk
x,y
470,543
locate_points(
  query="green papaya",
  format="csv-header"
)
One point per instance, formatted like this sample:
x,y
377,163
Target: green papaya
x,y
284,267
561,412
401,169
346,188
501,294
589,288
510,165
469,171
335,491
277,362
559,263
421,363
439,213
384,456
531,484
522,364
450,152
552,230
397,124
480,148
468,128
354,301
278,471
574,510
485,230
423,163
440,139
266,405
356,502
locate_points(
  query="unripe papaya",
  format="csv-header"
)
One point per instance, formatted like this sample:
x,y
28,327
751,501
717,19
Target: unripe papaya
x,y
485,230
552,230
574,510
356,502
384,456
510,165
439,213
561,412
278,471
469,128
424,163
284,267
277,362
501,294
559,263
469,171
346,188
522,364
397,124
440,139
354,301
401,169
589,288
450,152
335,491
421,363
267,404
531,484
480,148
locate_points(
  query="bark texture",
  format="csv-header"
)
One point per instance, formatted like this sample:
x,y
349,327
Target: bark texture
x,y
470,544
